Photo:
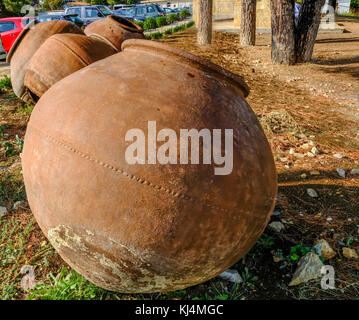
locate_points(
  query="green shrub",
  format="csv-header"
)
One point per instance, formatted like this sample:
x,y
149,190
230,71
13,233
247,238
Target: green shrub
x,y
177,28
149,24
148,37
161,21
169,31
184,14
139,23
190,24
172,18
156,35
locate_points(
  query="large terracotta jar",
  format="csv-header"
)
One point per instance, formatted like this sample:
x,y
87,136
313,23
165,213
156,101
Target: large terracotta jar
x,y
26,44
147,226
114,30
59,56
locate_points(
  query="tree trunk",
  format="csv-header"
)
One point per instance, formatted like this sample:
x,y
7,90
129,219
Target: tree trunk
x,y
307,29
204,35
333,3
248,22
283,28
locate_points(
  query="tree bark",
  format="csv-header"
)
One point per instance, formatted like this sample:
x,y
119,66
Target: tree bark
x,y
248,22
205,12
307,29
283,30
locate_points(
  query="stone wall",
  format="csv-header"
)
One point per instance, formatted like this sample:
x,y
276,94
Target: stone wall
x,y
263,20
231,9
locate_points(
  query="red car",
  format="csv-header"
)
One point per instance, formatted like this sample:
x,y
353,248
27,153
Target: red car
x,y
10,28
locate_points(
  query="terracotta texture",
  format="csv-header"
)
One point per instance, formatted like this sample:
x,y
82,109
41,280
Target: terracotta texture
x,y
146,227
26,44
114,30
59,56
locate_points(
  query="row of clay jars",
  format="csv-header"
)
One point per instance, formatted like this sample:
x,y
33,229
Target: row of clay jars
x,y
45,53
146,227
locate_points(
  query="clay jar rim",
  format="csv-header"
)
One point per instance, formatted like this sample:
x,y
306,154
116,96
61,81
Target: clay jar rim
x,y
189,59
125,23
19,39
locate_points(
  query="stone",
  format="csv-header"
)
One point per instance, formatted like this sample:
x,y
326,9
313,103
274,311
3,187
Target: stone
x,y
3,212
17,205
303,175
299,155
350,253
312,193
309,154
276,213
314,173
276,226
338,155
341,172
277,258
354,171
315,151
309,268
324,249
231,275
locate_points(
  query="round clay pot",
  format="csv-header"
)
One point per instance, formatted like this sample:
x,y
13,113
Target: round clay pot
x,y
114,30
26,44
59,56
147,227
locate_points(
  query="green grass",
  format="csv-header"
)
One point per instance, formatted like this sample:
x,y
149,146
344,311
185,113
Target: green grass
x,y
68,285
5,83
13,239
25,109
12,188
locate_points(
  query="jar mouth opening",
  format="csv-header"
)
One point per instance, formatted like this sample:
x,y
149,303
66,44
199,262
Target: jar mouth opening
x,y
19,39
126,24
190,59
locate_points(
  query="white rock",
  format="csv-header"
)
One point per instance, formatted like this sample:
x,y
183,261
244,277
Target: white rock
x,y
315,150
3,212
338,155
299,155
312,193
324,249
354,171
309,268
341,172
17,205
291,151
231,275
309,154
276,226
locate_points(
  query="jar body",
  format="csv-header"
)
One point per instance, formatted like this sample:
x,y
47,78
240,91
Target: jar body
x,y
146,227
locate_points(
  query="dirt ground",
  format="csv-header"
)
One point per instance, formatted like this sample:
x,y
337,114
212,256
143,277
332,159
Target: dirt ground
x,y
310,113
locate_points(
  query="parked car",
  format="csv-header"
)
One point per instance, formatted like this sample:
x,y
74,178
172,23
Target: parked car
x,y
2,51
68,17
89,13
10,28
121,6
168,11
141,12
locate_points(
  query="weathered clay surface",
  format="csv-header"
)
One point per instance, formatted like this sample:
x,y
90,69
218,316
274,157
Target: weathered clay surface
x,y
26,44
59,56
146,227
114,30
